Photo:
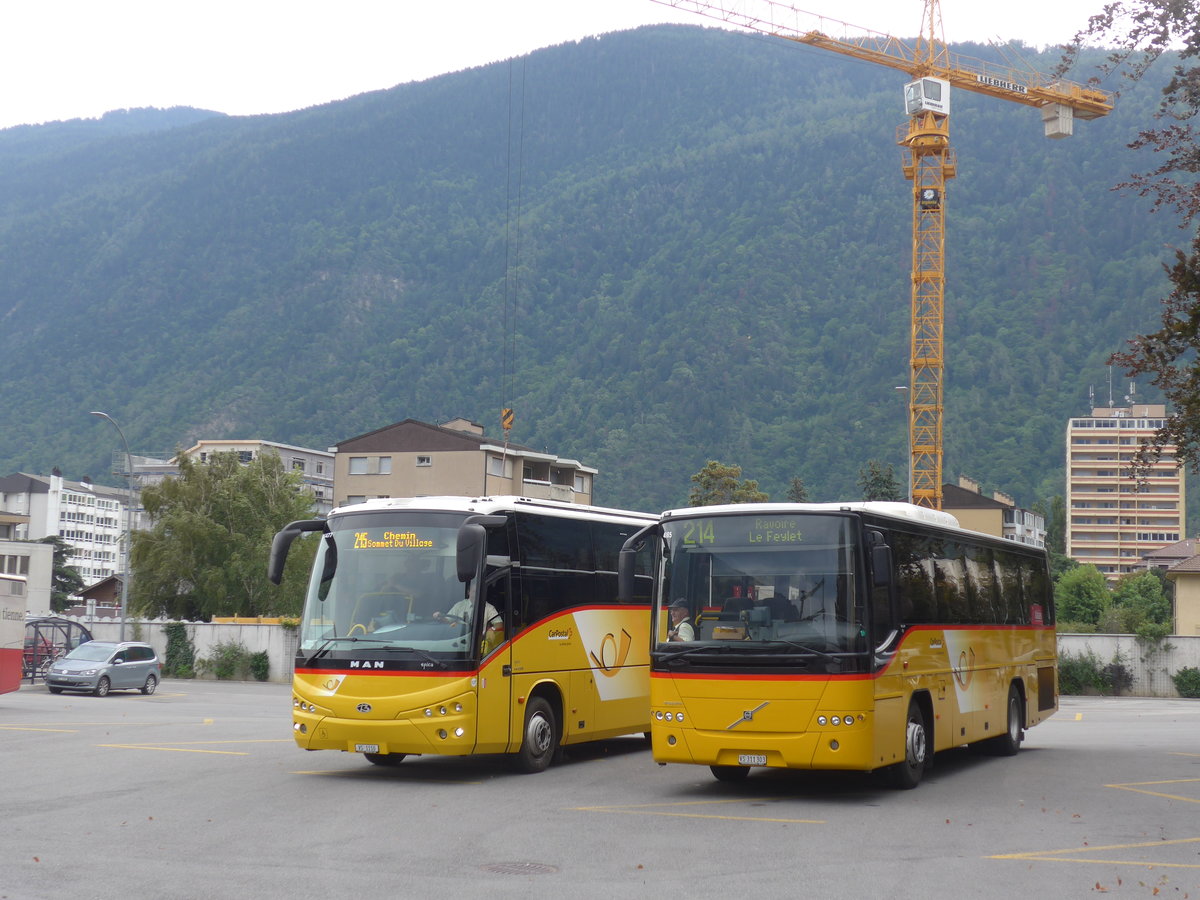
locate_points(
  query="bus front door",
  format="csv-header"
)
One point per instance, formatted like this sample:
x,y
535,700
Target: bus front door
x,y
494,681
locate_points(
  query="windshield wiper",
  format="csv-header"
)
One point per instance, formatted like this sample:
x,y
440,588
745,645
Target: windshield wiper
x,y
320,651
828,657
669,655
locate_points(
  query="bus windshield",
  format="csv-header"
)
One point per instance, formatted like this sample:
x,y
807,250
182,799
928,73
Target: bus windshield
x,y
394,585
786,579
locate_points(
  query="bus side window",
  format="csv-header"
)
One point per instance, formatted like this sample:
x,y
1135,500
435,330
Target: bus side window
x,y
982,578
914,581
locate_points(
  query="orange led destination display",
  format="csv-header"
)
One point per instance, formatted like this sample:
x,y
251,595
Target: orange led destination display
x,y
390,540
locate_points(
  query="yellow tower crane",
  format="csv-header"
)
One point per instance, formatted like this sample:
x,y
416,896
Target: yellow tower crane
x,y
928,162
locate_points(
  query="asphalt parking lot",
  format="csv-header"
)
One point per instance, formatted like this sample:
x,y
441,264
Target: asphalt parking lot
x,y
198,791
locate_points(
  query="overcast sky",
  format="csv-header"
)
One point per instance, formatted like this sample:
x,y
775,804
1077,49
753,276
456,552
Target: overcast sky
x,y
64,59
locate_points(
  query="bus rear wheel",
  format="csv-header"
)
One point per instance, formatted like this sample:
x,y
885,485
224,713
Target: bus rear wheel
x,y
906,775
1009,743
539,743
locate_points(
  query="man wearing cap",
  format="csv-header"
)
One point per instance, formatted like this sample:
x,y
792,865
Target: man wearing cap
x,y
681,628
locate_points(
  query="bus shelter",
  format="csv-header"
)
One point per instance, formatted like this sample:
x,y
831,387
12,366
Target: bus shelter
x,y
46,639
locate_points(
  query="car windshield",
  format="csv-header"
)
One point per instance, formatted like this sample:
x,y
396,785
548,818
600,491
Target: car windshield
x,y
91,652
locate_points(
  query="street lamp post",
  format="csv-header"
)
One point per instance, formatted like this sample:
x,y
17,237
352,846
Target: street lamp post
x,y
128,514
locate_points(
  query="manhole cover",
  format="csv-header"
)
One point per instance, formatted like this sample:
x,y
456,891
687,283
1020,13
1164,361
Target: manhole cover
x,y
520,868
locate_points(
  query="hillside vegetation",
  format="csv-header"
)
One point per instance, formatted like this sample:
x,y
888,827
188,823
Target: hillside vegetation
x,y
660,247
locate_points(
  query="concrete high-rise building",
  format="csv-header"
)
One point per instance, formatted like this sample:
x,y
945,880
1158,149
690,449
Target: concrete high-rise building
x,y
1112,518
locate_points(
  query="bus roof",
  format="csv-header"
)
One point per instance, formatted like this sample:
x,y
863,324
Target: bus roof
x,y
891,509
491,505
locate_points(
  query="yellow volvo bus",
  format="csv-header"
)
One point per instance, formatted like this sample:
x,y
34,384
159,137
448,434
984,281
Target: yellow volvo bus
x,y
452,625
855,636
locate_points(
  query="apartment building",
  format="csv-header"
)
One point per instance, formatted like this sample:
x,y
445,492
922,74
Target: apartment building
x,y
315,467
416,459
89,517
997,514
1113,520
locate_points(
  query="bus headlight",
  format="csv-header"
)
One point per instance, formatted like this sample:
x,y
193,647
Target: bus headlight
x,y
822,721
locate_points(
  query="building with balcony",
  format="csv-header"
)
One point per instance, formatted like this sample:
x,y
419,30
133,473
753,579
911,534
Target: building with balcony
x,y
315,467
997,514
89,517
1114,519
416,459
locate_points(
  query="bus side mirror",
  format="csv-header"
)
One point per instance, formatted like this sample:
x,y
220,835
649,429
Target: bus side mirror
x,y
472,545
626,567
627,562
283,542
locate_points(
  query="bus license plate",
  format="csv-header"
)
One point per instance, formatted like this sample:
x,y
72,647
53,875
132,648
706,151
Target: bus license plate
x,y
752,759
366,748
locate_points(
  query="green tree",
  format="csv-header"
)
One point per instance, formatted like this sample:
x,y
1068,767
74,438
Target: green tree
x,y
718,484
1060,563
797,492
65,580
1142,31
1056,523
1141,599
878,482
206,554
1081,595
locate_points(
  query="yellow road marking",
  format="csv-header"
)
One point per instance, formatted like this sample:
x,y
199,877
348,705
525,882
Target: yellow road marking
x,y
667,809
1078,717
341,773
186,746
29,728
1056,855
1137,786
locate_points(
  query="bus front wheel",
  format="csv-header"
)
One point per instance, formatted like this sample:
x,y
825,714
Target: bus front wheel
x,y
384,759
906,775
730,773
539,740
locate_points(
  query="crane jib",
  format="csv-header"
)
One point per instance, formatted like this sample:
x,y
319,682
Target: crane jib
x,y
1001,83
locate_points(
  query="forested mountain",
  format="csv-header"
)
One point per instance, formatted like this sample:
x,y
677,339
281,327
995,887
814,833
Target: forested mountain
x,y
661,247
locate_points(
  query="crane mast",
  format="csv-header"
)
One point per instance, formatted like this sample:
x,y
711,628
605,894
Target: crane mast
x,y
928,161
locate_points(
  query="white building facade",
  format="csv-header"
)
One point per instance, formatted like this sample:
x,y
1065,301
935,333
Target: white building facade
x,y
315,467
89,517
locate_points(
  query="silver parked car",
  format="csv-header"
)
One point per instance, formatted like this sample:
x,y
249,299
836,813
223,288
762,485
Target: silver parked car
x,y
103,666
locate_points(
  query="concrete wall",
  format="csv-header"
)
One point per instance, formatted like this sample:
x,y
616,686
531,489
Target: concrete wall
x,y
278,642
1151,668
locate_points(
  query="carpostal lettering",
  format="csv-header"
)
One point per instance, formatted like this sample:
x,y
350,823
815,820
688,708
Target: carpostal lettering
x,y
390,540
560,634
1003,85
366,664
